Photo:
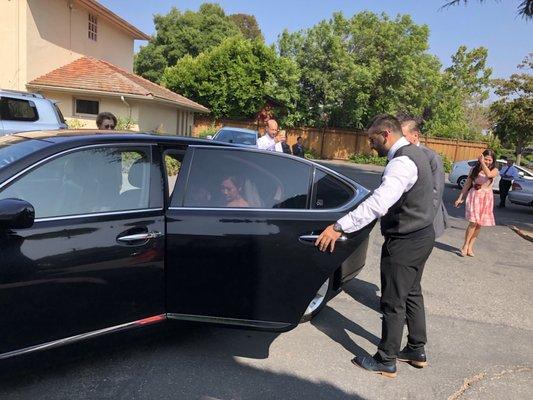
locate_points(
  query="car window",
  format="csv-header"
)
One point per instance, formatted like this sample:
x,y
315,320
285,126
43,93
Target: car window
x,y
18,110
225,136
240,179
330,192
86,181
472,163
173,162
245,138
13,148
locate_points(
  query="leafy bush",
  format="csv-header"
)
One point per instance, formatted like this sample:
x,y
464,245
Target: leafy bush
x,y
75,124
311,154
208,131
173,166
446,162
368,159
125,123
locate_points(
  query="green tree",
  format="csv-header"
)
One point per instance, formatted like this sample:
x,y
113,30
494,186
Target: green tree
x,y
354,68
247,24
457,110
183,33
513,112
233,78
525,7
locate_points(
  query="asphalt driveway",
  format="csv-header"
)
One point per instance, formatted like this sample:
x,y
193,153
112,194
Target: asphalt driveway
x,y
479,325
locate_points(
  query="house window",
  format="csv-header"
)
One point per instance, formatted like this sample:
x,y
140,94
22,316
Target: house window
x,y
88,107
93,27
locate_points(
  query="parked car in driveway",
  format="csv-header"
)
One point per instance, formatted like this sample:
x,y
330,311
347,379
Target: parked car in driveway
x,y
229,134
103,232
461,169
522,192
24,111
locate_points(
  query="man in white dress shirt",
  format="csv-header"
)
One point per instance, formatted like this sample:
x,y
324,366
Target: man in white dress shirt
x,y
404,201
271,140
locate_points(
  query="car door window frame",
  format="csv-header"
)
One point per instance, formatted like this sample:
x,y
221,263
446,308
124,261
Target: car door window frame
x,y
155,191
182,183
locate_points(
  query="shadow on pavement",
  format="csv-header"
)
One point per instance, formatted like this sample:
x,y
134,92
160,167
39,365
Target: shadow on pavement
x,y
363,292
169,361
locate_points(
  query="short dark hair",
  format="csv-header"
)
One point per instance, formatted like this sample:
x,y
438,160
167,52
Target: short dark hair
x,y
414,123
105,115
386,121
298,138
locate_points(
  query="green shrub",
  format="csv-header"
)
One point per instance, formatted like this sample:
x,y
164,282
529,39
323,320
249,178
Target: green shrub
x,y
311,154
125,123
368,159
208,131
75,124
172,165
446,162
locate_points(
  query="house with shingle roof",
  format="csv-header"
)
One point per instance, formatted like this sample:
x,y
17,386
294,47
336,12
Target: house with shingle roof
x,y
80,54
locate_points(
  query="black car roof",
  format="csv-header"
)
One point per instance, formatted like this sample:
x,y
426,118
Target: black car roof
x,y
89,136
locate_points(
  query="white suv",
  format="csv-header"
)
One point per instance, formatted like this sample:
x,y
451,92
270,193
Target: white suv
x,y
23,111
461,169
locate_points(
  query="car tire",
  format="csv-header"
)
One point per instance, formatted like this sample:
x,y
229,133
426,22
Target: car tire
x,y
461,181
319,301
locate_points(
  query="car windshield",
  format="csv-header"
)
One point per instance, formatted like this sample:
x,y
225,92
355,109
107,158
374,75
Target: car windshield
x,y
14,147
239,137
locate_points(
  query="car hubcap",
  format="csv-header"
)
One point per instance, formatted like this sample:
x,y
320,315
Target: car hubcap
x,y
318,299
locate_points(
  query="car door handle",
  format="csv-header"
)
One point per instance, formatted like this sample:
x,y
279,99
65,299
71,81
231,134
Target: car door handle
x,y
140,236
311,239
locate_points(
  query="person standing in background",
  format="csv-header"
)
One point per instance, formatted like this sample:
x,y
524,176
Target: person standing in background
x,y
508,174
106,121
298,148
480,199
271,140
411,131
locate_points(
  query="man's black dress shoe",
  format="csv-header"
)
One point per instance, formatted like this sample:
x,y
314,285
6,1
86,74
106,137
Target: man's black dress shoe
x,y
416,357
373,365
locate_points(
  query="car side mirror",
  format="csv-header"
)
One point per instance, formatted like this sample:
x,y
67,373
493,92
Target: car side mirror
x,y
16,214
209,137
521,174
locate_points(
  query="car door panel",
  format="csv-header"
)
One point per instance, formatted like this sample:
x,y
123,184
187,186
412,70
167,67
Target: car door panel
x,y
247,266
73,274
66,277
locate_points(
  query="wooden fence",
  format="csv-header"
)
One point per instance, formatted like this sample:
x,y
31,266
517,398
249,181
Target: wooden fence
x,y
339,144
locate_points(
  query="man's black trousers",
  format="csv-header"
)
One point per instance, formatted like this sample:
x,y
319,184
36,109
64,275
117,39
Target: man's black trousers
x,y
505,185
402,265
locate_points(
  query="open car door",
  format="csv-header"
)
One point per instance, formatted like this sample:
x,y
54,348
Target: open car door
x,y
241,227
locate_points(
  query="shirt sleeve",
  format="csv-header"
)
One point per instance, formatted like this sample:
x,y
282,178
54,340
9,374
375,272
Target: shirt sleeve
x,y
399,177
265,144
514,172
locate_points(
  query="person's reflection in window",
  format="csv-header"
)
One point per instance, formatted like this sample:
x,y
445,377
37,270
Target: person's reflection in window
x,y
231,187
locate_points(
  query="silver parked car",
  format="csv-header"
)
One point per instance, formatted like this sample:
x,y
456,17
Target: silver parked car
x,y
230,134
23,111
461,169
522,192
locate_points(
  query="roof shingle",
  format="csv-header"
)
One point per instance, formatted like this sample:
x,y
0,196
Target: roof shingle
x,y
90,74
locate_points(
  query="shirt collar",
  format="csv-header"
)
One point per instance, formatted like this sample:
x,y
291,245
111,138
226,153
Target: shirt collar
x,y
399,144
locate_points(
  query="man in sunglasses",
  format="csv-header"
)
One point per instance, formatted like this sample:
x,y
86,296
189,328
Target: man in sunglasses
x,y
404,201
106,121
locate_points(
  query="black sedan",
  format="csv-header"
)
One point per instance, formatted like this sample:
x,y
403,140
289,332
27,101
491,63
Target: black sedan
x,y
103,232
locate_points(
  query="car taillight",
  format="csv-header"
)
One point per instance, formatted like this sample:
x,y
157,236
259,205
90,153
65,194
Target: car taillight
x,y
516,186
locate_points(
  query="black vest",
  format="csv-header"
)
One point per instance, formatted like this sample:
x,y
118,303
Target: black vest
x,y
414,210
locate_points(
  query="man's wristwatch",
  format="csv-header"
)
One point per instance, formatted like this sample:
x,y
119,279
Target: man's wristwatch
x,y
337,227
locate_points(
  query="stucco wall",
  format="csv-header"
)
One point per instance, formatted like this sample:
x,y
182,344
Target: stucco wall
x,y
13,44
58,34
156,117
111,104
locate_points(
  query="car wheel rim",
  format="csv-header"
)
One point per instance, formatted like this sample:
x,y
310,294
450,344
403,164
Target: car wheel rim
x,y
319,298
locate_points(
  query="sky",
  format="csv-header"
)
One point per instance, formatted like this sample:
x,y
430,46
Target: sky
x,y
493,24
